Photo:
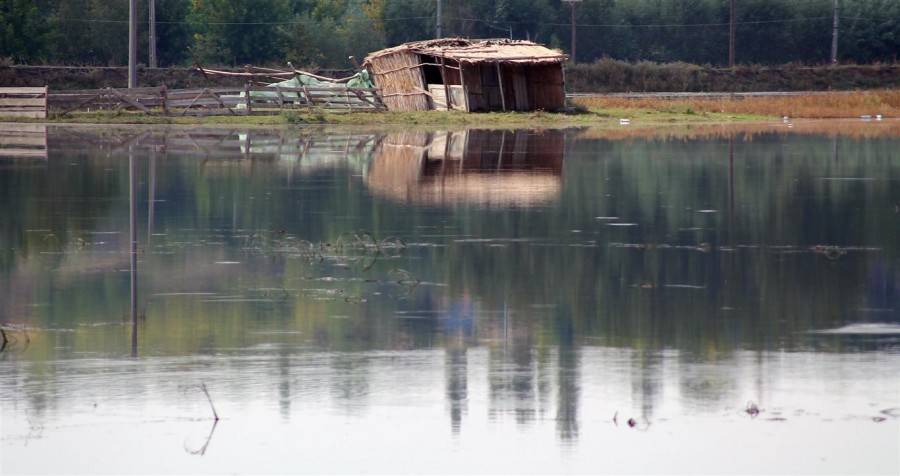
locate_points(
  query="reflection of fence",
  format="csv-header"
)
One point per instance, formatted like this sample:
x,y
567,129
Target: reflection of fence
x,y
23,140
23,102
246,100
298,150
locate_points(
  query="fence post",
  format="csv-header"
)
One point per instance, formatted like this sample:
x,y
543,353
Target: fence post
x,y
247,98
165,99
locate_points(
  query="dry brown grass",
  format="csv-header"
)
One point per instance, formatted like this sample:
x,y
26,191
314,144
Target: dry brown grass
x,y
835,105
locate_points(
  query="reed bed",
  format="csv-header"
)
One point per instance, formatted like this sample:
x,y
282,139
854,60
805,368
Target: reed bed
x,y
835,105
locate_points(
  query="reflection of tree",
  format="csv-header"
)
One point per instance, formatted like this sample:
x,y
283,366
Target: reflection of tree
x,y
350,384
646,382
284,383
511,377
456,369
568,369
678,279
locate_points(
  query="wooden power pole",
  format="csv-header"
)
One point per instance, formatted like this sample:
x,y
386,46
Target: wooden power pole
x,y
132,43
731,36
439,33
834,31
574,36
153,62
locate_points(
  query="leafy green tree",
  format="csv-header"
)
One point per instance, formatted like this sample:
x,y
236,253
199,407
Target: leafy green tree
x,y
811,33
763,32
870,31
324,34
173,33
239,32
408,20
527,18
24,32
109,32
71,31
595,38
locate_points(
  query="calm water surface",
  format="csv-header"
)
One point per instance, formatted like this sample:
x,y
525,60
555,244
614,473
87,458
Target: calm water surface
x,y
471,301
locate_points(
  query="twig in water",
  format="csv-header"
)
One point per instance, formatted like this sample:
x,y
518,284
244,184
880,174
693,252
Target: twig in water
x,y
202,450
752,409
206,392
8,339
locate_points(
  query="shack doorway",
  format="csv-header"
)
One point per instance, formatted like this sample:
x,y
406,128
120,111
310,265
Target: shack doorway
x,y
490,87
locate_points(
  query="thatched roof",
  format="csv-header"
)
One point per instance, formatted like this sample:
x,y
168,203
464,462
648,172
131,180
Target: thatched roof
x,y
475,51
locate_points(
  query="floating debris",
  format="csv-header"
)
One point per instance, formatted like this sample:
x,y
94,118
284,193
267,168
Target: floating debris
x,y
830,252
752,410
862,329
639,246
684,286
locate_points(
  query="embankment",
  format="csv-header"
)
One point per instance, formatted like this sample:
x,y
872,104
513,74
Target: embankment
x,y
599,77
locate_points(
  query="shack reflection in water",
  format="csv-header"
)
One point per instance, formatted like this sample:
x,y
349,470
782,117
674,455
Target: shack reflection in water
x,y
492,168
349,311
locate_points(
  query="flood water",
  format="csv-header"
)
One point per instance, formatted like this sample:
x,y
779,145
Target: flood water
x,y
719,301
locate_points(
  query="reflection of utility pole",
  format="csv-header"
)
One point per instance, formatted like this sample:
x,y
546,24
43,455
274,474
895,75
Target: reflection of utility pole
x,y
730,177
151,199
572,4
731,36
153,63
132,247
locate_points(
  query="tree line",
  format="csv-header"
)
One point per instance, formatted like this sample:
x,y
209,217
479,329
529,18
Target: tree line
x,y
323,33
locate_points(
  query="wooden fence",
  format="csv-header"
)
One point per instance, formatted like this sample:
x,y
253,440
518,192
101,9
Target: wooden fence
x,y
246,100
23,102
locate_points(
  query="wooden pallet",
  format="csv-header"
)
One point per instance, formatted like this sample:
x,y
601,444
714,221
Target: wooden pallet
x,y
23,102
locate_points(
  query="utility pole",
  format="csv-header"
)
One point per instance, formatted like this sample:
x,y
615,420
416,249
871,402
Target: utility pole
x,y
440,34
834,31
132,43
153,63
731,36
572,4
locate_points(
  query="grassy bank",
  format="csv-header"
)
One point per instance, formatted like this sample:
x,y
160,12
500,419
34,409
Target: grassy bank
x,y
577,116
813,106
583,111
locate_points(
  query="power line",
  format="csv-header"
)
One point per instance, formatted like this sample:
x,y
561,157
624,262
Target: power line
x,y
479,20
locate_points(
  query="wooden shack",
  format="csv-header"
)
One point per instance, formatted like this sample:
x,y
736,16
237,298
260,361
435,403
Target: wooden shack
x,y
476,75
